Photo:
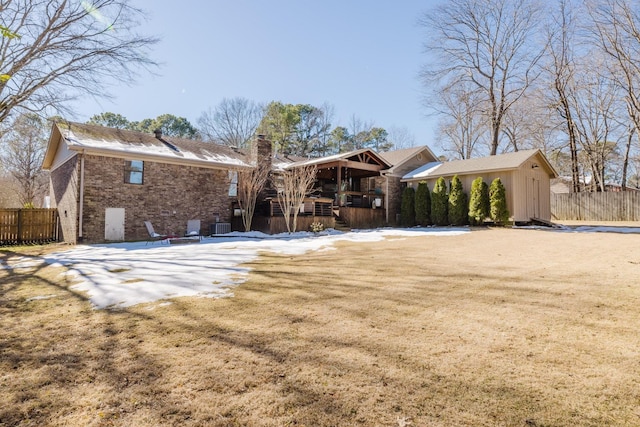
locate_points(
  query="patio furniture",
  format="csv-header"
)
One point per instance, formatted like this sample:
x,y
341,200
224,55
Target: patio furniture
x,y
153,236
193,229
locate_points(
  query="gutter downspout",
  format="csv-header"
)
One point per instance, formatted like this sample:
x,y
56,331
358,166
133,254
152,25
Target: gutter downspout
x,y
386,196
80,209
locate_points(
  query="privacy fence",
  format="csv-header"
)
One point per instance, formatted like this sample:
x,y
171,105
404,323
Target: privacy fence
x,y
606,206
26,226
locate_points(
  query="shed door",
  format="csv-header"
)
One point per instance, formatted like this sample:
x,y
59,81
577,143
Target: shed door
x,y
114,224
533,198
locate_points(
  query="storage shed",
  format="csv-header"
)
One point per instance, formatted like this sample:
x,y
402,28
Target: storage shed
x,y
526,176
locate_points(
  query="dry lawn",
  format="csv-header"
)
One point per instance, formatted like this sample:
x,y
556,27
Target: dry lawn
x,y
493,328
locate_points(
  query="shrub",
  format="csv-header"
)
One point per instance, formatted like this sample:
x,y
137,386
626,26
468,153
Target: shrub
x,y
423,204
498,201
439,201
316,227
478,202
407,208
458,205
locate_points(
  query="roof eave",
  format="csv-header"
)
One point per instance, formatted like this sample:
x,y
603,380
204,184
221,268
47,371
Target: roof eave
x,y
157,158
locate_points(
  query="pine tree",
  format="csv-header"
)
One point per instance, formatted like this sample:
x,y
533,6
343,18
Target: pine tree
x,y
407,208
439,201
423,204
458,205
498,200
478,202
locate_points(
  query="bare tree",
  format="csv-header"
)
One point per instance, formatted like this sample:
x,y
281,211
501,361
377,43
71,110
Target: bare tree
x,y
595,104
489,45
401,137
462,126
562,69
617,29
250,183
233,122
64,49
22,156
293,185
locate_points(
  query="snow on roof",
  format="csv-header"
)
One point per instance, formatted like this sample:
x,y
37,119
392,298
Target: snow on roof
x,y
481,164
99,138
423,171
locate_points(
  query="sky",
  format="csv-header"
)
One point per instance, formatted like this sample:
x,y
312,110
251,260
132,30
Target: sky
x,y
361,57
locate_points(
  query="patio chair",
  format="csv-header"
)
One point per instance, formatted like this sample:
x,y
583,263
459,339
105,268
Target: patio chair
x,y
193,229
153,236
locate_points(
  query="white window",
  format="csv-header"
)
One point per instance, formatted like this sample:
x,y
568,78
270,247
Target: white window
x,y
133,172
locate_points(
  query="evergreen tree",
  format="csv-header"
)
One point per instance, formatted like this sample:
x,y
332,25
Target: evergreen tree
x,y
498,200
423,204
478,201
439,201
458,205
407,208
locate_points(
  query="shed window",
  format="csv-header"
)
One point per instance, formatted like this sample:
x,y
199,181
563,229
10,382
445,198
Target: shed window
x,y
133,171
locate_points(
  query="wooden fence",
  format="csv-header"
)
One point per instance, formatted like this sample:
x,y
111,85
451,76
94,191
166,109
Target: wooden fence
x,y
606,206
23,226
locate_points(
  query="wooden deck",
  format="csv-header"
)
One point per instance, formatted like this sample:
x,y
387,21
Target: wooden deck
x,y
363,217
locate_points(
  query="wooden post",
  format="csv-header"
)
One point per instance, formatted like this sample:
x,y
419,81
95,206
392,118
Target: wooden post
x,y
339,183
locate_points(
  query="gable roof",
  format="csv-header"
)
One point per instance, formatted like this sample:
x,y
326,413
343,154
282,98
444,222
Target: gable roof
x,y
397,157
406,159
364,155
100,140
501,162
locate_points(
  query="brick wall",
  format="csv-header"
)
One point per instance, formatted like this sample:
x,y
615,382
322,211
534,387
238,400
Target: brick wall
x,y
169,196
394,198
63,189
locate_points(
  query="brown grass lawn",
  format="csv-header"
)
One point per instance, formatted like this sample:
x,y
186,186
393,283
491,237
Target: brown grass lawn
x,y
497,327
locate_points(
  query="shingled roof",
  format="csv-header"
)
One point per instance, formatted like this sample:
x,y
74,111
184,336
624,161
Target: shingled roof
x,y
508,161
102,140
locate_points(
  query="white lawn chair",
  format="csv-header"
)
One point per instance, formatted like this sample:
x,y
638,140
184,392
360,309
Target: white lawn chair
x,y
193,229
153,236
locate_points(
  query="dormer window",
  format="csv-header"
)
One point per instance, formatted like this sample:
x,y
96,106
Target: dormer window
x,y
133,172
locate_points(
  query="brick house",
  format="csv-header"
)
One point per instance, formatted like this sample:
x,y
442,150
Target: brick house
x,y
106,182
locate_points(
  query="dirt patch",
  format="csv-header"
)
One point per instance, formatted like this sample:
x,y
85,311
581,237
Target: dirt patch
x,y
494,327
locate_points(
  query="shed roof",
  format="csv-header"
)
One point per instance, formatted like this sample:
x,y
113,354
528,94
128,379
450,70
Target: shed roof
x,y
508,161
102,140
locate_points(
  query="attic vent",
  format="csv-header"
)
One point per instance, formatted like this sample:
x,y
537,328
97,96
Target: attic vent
x,y
419,156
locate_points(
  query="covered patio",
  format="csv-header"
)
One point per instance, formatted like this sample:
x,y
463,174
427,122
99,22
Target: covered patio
x,y
353,182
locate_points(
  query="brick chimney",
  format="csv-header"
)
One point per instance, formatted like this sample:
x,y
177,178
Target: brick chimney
x,y
261,151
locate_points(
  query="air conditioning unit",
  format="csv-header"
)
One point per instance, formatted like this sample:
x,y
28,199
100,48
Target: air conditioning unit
x,y
220,228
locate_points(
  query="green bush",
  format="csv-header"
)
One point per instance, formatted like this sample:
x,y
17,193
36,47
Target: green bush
x,y
458,205
439,201
407,208
423,204
498,201
478,202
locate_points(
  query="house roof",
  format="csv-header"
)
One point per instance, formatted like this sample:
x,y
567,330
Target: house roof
x,y
508,161
106,141
405,160
397,157
364,155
